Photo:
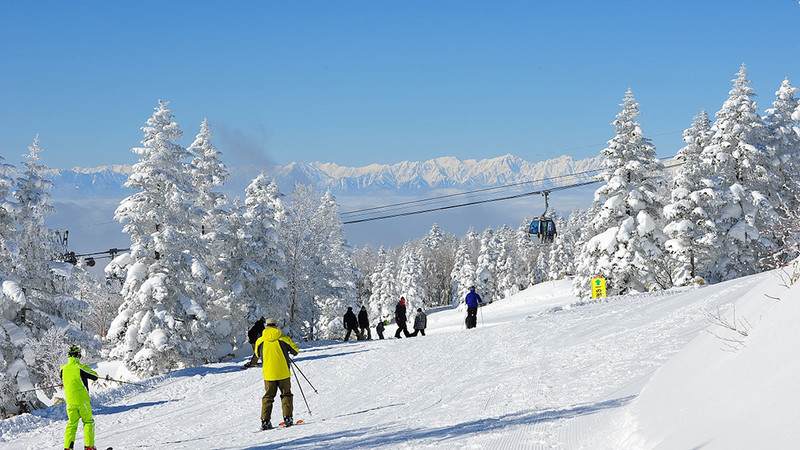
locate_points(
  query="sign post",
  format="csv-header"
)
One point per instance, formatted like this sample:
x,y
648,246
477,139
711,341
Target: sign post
x,y
598,287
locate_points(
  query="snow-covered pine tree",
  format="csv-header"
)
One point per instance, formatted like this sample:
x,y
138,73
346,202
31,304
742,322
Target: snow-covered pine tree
x,y
527,249
624,242
12,300
409,279
506,262
320,275
214,234
745,186
561,257
36,296
365,262
36,243
485,269
385,293
162,324
784,147
691,231
258,284
473,241
338,284
102,296
8,246
462,276
436,258
208,175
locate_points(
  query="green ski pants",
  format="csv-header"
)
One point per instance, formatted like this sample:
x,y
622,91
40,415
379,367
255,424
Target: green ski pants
x,y
79,412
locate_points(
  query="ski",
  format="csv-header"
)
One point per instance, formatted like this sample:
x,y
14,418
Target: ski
x,y
283,424
280,425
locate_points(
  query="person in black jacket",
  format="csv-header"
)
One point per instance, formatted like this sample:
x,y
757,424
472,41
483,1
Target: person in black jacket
x,y
252,336
363,323
400,318
420,323
351,324
380,329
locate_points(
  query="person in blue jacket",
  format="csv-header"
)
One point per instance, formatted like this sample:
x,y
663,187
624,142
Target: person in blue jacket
x,y
472,300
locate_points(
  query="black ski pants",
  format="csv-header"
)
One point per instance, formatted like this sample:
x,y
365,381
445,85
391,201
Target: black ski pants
x,y
401,326
347,335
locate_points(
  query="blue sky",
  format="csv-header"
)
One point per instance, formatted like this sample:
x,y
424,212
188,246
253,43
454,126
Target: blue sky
x,y
360,82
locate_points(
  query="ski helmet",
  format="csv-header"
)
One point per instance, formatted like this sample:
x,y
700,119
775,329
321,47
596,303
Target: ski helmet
x,y
74,351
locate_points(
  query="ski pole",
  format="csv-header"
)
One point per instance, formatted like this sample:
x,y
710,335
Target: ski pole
x,y
483,323
304,375
39,388
126,382
301,388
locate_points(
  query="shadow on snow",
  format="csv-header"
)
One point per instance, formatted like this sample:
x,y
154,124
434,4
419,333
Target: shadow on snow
x,y
103,410
367,437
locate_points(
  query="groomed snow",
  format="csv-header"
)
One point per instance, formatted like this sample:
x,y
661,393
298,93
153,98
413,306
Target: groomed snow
x,y
542,370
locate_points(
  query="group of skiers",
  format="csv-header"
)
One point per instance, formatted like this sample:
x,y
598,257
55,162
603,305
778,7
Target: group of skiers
x,y
360,324
269,344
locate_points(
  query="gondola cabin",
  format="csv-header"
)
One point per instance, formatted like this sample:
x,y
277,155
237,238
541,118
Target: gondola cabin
x,y
544,229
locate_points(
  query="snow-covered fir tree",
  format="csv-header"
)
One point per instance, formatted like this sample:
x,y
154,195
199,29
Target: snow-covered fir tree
x,y
38,308
8,247
561,257
745,186
214,237
409,279
162,324
527,249
319,267
258,284
506,262
436,254
462,276
365,262
691,230
338,276
36,243
385,291
624,241
784,146
485,268
212,207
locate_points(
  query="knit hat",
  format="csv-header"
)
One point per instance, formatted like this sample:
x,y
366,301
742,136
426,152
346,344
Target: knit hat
x,y
74,351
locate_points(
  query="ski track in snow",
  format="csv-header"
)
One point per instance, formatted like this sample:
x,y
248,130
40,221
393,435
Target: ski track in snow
x,y
541,371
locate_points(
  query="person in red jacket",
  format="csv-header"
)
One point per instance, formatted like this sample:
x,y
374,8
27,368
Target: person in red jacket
x,y
400,318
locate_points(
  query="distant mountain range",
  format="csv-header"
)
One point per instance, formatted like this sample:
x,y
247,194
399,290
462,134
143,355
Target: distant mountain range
x,y
407,177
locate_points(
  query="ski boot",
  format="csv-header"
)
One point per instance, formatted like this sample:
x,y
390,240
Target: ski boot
x,y
287,421
266,425
89,447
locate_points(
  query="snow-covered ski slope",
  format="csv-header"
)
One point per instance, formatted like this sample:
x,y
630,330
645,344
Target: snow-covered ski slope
x,y
542,370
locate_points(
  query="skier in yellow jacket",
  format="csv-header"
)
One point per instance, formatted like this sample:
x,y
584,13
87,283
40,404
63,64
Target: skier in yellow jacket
x,y
274,348
75,378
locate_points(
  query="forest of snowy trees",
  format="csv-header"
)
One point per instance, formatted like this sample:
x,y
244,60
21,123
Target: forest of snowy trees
x,y
202,267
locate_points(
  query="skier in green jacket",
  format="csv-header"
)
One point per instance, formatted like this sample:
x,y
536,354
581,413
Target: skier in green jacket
x,y
75,378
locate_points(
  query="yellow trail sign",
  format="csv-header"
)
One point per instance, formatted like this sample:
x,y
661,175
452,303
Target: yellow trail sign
x,y
598,287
